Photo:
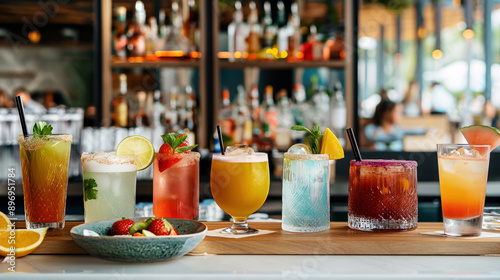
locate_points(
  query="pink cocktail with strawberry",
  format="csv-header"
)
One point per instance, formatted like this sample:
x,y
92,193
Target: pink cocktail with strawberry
x,y
176,179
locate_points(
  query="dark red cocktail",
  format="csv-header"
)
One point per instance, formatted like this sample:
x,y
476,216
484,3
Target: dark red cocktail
x,y
383,195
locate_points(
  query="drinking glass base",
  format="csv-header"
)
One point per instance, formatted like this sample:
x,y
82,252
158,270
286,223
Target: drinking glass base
x,y
55,225
240,227
465,227
370,224
307,228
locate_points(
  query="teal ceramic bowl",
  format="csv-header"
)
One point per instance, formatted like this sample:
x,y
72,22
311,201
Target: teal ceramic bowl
x,y
139,249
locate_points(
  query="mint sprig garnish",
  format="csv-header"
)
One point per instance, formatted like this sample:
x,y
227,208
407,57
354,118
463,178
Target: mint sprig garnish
x,y
41,129
90,189
312,137
174,140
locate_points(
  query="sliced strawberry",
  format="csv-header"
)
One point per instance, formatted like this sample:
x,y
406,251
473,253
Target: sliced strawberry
x,y
166,149
158,227
173,232
165,162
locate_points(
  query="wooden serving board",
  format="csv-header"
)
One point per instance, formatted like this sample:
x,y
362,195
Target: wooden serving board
x,y
339,240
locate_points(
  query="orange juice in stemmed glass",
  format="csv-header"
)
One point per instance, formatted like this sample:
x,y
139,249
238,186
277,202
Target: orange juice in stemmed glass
x,y
240,185
463,174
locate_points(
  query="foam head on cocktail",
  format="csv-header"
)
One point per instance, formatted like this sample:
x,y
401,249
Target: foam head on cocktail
x,y
239,182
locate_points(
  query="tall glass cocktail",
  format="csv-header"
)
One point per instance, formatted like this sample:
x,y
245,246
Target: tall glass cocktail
x,y
45,162
463,174
176,190
383,195
240,185
306,192
109,184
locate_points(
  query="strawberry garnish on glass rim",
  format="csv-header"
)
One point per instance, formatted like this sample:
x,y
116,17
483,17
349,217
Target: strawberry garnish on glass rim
x,y
175,143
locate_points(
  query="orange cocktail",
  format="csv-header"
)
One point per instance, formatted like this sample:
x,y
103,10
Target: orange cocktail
x,y
45,162
463,174
240,185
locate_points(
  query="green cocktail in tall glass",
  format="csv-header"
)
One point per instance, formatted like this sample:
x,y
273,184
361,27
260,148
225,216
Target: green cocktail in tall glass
x,y
45,162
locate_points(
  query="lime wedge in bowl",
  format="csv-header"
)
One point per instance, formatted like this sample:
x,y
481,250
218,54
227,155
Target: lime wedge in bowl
x,y
140,147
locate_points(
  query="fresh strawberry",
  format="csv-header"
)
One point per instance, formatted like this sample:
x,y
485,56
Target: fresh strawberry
x,y
121,227
158,227
165,162
173,232
166,149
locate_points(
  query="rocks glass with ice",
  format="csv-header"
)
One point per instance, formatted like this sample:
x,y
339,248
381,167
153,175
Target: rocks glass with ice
x,y
383,195
463,174
109,183
240,184
306,190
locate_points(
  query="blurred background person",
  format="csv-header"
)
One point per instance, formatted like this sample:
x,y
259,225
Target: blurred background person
x,y
411,101
30,105
384,132
5,100
442,101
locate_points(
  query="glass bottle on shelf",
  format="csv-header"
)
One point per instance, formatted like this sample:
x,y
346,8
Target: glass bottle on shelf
x,y
255,113
226,119
269,115
120,40
283,31
162,27
171,113
174,43
312,49
191,23
152,36
269,31
337,49
253,39
120,104
137,42
294,38
243,129
320,113
189,120
300,111
285,117
140,118
338,113
237,34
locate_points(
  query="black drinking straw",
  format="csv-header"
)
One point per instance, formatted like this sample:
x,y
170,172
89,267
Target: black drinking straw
x,y
20,109
219,133
354,144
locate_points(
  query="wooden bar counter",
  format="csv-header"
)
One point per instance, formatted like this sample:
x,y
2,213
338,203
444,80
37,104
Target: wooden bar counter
x,y
339,240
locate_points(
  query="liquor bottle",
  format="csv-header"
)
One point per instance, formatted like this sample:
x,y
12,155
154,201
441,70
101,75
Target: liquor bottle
x,y
294,38
171,113
237,34
191,23
312,49
269,31
269,115
226,119
158,119
120,104
257,131
243,128
152,36
120,40
140,118
321,108
189,120
283,31
300,111
337,49
285,117
253,38
174,43
338,113
137,41
163,28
